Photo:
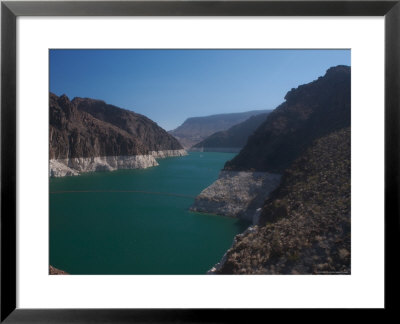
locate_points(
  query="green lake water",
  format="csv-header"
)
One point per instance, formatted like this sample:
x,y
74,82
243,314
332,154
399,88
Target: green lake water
x,y
138,221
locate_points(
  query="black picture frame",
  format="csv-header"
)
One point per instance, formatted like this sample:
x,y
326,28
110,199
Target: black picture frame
x,y
10,10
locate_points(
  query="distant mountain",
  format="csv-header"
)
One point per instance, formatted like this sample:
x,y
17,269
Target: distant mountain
x,y
310,111
196,129
90,135
234,138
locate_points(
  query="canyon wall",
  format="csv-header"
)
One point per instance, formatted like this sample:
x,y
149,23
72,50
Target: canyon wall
x,y
89,135
301,221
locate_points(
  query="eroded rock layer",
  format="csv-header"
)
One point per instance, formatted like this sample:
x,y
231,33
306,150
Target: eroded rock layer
x,y
75,166
237,194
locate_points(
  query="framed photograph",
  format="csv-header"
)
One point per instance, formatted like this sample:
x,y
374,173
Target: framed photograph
x,y
163,159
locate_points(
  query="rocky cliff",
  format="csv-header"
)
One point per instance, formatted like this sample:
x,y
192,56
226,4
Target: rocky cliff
x,y
302,222
147,131
196,129
309,112
232,139
89,135
305,224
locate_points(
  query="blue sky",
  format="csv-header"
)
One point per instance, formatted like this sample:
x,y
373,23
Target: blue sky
x,y
169,86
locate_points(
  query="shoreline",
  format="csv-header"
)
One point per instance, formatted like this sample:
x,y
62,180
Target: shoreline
x,y
236,194
75,166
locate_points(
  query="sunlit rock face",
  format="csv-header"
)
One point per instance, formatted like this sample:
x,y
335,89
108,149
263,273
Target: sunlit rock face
x,y
237,194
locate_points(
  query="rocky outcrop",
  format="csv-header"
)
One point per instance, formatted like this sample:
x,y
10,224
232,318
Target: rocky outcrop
x,y
60,168
305,223
196,129
237,194
55,271
310,111
232,139
89,135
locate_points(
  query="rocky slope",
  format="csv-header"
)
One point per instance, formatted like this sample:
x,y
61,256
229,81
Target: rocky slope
x,y
305,224
232,139
89,135
309,112
196,129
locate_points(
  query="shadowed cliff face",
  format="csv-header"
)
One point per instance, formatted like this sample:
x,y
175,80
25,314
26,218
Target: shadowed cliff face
x,y
310,111
150,134
306,221
91,128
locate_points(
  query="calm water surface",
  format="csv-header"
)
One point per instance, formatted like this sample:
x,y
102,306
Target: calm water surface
x,y
137,221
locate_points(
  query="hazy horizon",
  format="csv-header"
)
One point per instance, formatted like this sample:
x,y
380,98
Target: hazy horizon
x,y
169,86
